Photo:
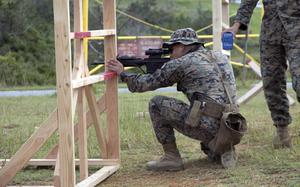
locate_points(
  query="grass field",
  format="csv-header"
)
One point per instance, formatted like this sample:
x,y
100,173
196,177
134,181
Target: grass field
x,y
259,164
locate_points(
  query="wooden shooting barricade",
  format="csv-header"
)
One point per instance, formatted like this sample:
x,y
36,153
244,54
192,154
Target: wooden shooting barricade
x,y
74,84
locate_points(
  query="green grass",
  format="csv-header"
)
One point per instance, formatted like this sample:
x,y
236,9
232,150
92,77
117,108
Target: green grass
x,y
46,87
259,164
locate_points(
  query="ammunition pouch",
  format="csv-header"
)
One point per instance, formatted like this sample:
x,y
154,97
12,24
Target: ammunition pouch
x,y
202,105
232,128
200,108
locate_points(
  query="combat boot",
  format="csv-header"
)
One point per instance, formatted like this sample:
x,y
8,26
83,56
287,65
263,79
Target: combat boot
x,y
171,161
282,139
232,128
229,159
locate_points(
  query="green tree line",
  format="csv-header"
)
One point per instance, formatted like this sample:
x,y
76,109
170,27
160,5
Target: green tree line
x,y
27,41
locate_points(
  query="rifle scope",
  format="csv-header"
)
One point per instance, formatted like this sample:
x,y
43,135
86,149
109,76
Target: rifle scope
x,y
157,52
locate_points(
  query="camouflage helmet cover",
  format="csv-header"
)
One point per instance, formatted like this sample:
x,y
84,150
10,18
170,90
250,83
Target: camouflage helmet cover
x,y
185,36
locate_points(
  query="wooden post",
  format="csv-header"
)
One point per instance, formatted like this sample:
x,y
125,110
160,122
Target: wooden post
x,y
217,24
225,21
91,99
64,89
101,107
110,50
56,178
225,12
82,136
67,95
79,71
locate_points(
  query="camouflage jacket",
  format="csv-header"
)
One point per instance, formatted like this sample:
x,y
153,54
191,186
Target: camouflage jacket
x,y
281,20
193,72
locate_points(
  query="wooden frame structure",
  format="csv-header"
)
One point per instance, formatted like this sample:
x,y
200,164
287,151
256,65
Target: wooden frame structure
x,y
73,87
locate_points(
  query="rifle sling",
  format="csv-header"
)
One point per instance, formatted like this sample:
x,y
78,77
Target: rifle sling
x,y
201,106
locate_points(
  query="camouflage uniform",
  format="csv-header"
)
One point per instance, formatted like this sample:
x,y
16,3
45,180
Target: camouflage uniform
x,y
279,41
192,73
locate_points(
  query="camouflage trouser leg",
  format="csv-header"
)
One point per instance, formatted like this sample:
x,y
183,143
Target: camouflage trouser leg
x,y
273,68
293,56
168,114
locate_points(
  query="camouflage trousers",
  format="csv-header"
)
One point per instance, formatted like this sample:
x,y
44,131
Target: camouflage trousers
x,y
168,114
273,68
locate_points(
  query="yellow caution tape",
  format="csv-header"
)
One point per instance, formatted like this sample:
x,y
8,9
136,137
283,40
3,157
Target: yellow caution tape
x,y
168,37
85,12
210,25
139,20
239,64
242,51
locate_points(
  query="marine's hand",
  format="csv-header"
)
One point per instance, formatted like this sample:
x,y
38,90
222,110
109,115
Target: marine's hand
x,y
234,28
115,66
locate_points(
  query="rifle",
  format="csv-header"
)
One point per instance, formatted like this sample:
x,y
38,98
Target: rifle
x,y
156,59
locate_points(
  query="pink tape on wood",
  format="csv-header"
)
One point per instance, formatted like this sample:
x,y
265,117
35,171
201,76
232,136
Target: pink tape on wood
x,y
109,74
79,35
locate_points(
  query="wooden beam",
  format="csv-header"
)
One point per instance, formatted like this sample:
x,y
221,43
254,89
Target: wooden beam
x,y
251,93
30,186
110,51
92,79
255,67
291,100
254,91
52,162
258,87
99,176
92,33
82,136
101,105
28,149
56,177
78,65
95,113
64,92
225,13
225,21
78,70
217,24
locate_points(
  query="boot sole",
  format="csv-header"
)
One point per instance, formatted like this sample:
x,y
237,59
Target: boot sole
x,y
281,144
166,169
229,159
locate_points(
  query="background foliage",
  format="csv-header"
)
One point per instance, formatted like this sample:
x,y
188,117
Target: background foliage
x,y
26,32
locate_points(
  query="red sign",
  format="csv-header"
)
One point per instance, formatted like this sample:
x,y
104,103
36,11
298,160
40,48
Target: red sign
x,y
127,48
138,47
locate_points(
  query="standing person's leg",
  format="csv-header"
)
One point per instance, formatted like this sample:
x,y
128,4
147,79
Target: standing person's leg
x,y
168,114
293,56
273,68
